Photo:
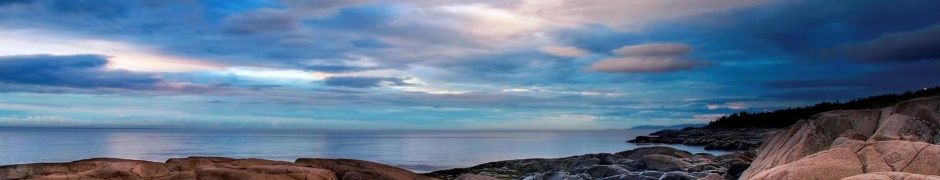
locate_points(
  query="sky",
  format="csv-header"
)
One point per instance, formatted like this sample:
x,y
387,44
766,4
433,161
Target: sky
x,y
442,65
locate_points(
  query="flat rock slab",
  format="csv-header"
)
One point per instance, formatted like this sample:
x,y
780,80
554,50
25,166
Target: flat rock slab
x,y
209,168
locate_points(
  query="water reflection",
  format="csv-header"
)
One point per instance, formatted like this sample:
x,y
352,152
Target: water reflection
x,y
415,150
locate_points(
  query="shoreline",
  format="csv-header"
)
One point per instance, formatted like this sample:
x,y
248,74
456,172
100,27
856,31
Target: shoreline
x,y
671,162
727,139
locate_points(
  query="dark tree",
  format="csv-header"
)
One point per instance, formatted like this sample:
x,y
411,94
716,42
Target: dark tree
x,y
786,117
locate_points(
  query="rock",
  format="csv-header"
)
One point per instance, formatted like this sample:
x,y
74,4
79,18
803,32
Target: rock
x,y
807,137
558,176
675,175
516,169
204,168
629,177
896,142
650,160
830,164
712,176
926,162
193,162
659,150
923,108
601,171
891,176
475,177
712,138
703,158
653,174
642,139
358,169
293,171
907,128
664,163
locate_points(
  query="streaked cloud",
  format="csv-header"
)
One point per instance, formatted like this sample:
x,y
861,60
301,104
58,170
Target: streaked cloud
x,y
921,44
648,58
76,71
654,50
565,51
365,82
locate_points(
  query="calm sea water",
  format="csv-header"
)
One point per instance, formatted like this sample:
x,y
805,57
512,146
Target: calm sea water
x,y
419,151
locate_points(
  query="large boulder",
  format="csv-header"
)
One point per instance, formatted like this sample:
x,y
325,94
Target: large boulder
x,y
891,176
839,144
350,169
475,177
831,164
664,163
209,168
660,150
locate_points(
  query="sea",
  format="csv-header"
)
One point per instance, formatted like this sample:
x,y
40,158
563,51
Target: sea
x,y
419,151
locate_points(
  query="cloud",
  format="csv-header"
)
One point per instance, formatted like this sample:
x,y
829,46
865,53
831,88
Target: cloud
x,y
805,27
905,77
263,21
565,51
648,58
654,50
365,82
901,46
643,65
336,68
76,71
626,15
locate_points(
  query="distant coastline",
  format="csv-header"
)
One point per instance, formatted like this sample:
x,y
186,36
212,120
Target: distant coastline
x,y
678,126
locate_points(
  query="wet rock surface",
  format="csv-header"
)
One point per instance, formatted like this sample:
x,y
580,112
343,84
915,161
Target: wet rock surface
x,y
640,163
731,139
202,168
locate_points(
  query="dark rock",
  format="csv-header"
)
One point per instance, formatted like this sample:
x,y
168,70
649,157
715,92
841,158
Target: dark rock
x,y
712,138
639,163
676,175
475,177
601,171
660,150
664,163
654,174
629,177
558,176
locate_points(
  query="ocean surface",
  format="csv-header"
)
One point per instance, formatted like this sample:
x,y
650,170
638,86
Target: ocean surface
x,y
420,151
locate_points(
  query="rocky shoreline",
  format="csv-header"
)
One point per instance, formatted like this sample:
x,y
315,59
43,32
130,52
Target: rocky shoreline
x,y
729,139
194,168
899,142
641,163
645,163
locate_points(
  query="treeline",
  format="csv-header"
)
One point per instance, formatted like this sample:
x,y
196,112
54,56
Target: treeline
x,y
786,117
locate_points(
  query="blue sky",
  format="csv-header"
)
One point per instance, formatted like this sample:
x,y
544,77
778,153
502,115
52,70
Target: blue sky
x,y
415,64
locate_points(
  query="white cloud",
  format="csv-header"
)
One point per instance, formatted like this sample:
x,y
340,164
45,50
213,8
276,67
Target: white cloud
x,y
625,15
648,58
121,55
565,51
